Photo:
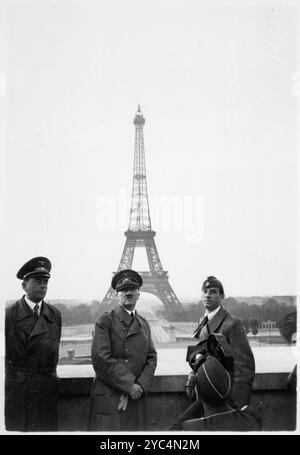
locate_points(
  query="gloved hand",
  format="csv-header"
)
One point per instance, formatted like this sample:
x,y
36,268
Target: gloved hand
x,y
123,403
136,391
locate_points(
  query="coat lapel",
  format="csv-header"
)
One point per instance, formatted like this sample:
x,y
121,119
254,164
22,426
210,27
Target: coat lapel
x,y
203,334
46,312
23,310
216,321
25,319
123,315
41,325
199,329
134,326
213,325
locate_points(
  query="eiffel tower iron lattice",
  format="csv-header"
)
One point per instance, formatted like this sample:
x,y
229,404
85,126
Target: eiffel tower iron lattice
x,y
141,235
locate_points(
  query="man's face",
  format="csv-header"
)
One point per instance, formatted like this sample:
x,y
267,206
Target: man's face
x,y
128,298
36,288
211,298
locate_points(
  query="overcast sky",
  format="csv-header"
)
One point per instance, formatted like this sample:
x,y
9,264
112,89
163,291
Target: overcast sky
x,y
217,85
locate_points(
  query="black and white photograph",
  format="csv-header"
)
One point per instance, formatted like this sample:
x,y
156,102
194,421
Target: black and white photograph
x,y
149,192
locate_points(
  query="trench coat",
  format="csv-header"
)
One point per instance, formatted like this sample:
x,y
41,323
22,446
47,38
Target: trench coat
x,y
32,351
243,371
123,353
243,360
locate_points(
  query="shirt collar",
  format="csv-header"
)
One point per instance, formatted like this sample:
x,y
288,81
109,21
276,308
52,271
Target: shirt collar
x,y
32,304
212,313
129,312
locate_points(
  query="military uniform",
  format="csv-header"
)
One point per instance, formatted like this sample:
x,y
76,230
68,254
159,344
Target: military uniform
x,y
243,371
122,354
243,364
31,384
234,420
213,384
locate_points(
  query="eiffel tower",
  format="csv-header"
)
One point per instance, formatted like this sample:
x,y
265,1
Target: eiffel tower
x,y
141,235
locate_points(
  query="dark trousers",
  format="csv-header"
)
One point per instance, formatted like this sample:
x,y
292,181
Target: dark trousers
x,y
30,401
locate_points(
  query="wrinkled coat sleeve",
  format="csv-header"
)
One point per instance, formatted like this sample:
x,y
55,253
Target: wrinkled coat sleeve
x,y
150,365
60,325
244,365
112,371
58,319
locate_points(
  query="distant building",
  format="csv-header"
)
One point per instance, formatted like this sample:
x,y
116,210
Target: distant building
x,y
268,325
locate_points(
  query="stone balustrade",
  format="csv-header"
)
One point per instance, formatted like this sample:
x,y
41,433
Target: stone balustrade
x,y
167,399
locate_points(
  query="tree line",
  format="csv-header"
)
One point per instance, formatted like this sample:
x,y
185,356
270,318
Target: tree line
x,y
252,315
270,310
80,314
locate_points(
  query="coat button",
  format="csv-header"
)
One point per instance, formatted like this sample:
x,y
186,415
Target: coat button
x,y
126,361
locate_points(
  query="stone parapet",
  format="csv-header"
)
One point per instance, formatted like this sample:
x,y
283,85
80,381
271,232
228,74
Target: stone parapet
x,y
166,399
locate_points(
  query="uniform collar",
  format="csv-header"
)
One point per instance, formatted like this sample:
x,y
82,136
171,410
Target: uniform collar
x,y
32,304
212,313
218,318
124,315
129,312
23,310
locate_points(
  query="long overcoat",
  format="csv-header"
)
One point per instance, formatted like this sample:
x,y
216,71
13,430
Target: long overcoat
x,y
243,365
32,351
122,353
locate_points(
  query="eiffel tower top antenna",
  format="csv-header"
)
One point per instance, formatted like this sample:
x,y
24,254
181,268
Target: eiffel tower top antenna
x,y
139,213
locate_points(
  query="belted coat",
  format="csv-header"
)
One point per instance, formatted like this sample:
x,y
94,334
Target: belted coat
x,y
123,353
243,360
32,351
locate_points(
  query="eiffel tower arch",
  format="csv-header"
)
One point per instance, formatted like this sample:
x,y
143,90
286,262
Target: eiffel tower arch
x,y
141,235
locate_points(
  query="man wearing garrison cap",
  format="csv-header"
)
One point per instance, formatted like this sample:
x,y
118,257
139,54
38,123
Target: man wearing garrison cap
x,y
218,320
124,360
32,337
213,385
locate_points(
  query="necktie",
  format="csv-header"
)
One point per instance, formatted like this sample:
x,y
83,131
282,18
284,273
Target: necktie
x,y
200,327
36,311
132,315
205,321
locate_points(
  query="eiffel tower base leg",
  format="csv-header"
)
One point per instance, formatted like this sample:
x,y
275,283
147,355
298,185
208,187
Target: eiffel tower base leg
x,y
161,288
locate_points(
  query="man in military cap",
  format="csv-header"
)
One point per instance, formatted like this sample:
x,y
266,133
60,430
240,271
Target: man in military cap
x,y
213,385
32,337
124,359
218,320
